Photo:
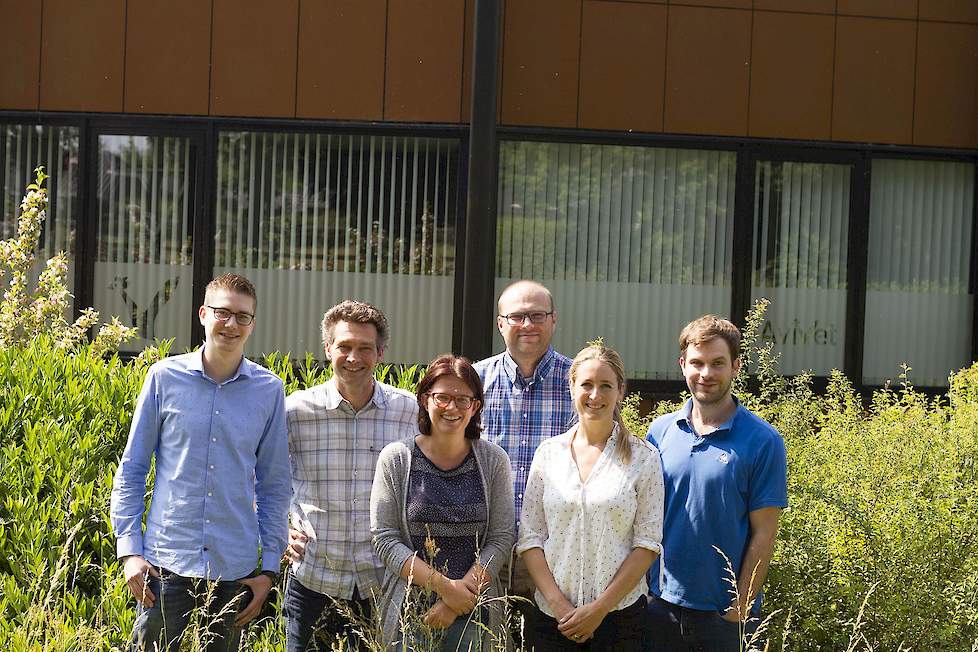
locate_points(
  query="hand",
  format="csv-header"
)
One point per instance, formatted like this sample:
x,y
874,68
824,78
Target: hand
x,y
476,581
296,549
137,570
731,615
440,616
579,625
457,596
260,585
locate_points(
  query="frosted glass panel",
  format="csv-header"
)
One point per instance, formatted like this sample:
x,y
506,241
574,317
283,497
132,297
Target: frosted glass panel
x,y
144,254
633,242
918,295
314,219
801,227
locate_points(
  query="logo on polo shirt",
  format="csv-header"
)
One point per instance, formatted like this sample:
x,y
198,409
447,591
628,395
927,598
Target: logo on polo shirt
x,y
723,457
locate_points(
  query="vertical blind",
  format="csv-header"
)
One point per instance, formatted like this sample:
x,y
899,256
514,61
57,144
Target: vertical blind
x,y
800,248
633,242
314,219
144,253
918,295
22,149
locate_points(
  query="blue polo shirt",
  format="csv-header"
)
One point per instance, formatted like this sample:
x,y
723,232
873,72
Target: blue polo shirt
x,y
712,484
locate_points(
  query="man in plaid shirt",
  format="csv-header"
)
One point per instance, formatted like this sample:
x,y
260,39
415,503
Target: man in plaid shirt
x,y
336,433
527,393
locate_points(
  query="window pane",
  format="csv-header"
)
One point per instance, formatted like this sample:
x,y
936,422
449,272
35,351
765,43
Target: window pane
x,y
313,219
918,298
23,148
144,254
633,242
801,225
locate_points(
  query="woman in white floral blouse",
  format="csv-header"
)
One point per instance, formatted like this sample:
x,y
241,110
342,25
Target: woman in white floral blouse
x,y
591,523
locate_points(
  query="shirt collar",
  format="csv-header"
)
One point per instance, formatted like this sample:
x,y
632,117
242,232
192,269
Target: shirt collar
x,y
333,398
685,413
196,363
541,370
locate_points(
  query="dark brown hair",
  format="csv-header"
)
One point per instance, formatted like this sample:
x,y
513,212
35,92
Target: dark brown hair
x,y
356,312
459,367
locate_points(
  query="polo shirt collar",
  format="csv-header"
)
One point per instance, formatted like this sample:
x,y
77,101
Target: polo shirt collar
x,y
686,412
542,368
332,397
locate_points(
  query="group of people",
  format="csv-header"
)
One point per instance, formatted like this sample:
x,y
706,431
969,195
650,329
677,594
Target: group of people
x,y
510,484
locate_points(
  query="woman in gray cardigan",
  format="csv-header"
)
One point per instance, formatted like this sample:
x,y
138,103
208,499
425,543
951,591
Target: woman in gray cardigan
x,y
442,518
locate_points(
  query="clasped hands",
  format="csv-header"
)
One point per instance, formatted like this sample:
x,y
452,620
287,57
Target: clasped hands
x,y
578,623
455,598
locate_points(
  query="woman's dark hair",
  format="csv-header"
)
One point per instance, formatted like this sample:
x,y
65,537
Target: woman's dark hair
x,y
459,367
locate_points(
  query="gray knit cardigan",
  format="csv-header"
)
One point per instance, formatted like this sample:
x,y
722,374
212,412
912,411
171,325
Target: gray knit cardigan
x,y
389,526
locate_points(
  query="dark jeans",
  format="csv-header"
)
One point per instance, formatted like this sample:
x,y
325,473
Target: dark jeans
x,y
680,629
625,630
314,621
178,598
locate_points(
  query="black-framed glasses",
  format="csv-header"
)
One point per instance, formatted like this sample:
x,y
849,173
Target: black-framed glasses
x,y
223,314
443,400
535,317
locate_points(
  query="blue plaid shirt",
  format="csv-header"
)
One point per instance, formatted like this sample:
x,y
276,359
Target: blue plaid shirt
x,y
520,413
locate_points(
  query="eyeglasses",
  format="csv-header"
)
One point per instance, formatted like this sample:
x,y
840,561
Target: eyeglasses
x,y
444,400
223,314
535,317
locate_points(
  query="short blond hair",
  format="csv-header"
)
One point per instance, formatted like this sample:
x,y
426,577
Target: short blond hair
x,y
232,283
708,327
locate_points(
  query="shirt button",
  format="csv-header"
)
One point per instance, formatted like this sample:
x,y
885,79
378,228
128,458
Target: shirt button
x,y
210,493
217,411
211,466
520,496
522,468
213,438
207,520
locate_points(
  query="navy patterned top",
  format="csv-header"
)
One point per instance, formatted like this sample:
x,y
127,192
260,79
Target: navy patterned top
x,y
450,506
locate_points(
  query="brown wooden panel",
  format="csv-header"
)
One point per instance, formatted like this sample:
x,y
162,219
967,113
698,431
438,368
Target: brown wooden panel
x,y
541,47
82,55
808,6
725,4
946,106
424,60
791,79
168,49
341,59
254,58
873,96
707,71
623,65
961,11
879,8
19,51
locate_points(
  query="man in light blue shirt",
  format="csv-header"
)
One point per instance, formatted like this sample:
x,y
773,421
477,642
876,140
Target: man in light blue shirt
x,y
215,423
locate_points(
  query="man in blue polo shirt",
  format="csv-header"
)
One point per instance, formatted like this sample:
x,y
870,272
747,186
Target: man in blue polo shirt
x,y
725,475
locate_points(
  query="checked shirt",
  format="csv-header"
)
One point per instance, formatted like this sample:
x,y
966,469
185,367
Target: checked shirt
x,y
520,413
334,453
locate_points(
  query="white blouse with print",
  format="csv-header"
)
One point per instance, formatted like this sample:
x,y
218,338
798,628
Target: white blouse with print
x,y
586,530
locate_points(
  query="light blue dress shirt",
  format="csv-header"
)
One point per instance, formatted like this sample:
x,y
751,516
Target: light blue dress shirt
x,y
223,480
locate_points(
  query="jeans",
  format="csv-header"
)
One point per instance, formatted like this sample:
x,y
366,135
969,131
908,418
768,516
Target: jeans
x,y
680,629
625,630
314,621
463,635
160,627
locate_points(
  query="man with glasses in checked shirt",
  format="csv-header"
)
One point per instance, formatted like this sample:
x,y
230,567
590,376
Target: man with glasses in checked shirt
x,y
336,432
527,393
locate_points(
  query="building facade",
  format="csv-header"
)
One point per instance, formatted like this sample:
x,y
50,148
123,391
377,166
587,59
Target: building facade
x,y
656,160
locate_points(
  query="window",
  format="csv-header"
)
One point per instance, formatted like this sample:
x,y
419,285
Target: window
x,y
918,295
800,243
313,219
633,242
